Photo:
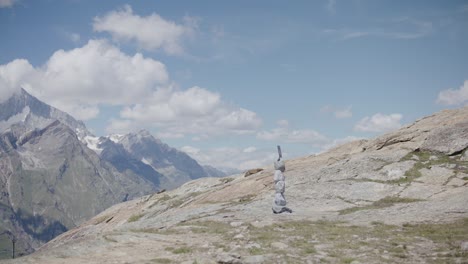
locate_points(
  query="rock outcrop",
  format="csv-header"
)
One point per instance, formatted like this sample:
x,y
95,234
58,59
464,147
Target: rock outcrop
x,y
399,198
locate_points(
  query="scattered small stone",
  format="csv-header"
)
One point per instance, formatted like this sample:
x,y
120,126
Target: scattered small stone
x,y
279,245
254,259
236,224
239,236
464,246
229,259
456,182
260,224
450,166
252,245
465,156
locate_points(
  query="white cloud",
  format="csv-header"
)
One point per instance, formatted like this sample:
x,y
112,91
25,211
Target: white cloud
x,y
403,28
379,123
240,120
249,150
339,113
7,3
168,135
234,158
151,32
190,150
283,123
81,80
78,80
11,77
192,111
284,134
454,96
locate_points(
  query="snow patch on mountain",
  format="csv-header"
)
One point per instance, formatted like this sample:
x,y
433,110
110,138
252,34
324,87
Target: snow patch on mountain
x,y
145,161
93,143
116,138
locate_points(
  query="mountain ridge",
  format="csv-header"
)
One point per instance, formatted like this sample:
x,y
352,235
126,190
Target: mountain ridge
x,y
55,174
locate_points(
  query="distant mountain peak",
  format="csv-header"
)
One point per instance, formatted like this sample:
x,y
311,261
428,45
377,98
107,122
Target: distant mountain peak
x,y
24,108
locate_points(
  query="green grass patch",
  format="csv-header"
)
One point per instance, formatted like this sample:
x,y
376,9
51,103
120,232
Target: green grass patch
x,y
256,251
428,159
109,239
135,218
101,219
208,227
226,180
382,203
176,203
343,243
400,243
347,260
247,198
181,250
161,260
222,246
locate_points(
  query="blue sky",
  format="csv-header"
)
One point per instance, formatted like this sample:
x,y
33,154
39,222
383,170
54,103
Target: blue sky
x,y
226,81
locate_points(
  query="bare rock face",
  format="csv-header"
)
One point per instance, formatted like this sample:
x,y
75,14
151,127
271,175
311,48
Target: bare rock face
x,y
449,140
397,198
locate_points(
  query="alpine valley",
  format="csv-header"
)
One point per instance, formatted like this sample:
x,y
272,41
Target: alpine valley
x,y
55,174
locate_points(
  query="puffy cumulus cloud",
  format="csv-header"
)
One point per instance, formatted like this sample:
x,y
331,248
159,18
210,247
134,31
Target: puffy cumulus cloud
x,y
190,150
379,123
12,76
232,158
151,32
285,134
7,3
240,120
195,111
78,80
454,96
167,135
339,113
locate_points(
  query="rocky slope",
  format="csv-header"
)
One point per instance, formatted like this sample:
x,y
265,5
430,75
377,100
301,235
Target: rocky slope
x,y
398,198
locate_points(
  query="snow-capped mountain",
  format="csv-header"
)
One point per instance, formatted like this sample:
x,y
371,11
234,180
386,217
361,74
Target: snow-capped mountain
x,y
55,174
